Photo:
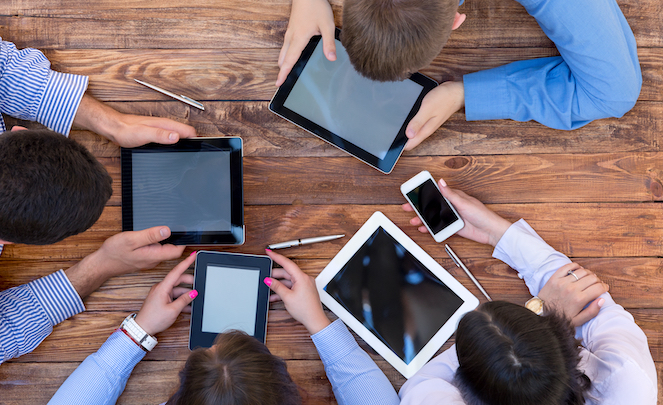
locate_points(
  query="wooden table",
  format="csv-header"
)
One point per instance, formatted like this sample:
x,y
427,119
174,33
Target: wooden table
x,y
594,194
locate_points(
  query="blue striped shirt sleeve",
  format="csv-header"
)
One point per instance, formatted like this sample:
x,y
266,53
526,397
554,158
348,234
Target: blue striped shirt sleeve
x,y
29,312
354,376
30,90
102,377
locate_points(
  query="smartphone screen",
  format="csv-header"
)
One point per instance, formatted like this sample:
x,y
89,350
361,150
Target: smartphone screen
x,y
434,209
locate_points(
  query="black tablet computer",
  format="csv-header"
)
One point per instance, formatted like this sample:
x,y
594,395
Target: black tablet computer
x,y
362,117
194,187
231,295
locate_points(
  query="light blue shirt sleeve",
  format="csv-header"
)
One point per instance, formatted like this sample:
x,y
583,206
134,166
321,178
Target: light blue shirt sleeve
x,y
30,90
100,379
354,376
29,312
597,75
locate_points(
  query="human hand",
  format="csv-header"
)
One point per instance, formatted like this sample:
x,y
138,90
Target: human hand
x,y
166,300
481,224
569,296
131,251
137,130
307,18
298,293
436,107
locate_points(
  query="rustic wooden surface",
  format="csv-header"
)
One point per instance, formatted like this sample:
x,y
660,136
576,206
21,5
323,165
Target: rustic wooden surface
x,y
594,193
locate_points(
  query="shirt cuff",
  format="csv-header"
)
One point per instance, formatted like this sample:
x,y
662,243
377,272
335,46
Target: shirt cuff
x,y
334,342
120,353
57,296
62,96
486,96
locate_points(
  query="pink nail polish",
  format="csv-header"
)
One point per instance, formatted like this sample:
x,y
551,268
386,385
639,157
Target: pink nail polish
x,y
193,253
268,281
193,294
268,249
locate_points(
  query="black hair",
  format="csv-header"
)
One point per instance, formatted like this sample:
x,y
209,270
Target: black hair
x,y
510,355
51,187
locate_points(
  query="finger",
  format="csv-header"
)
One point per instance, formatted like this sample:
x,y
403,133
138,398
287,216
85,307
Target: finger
x,y
292,55
564,270
288,265
185,279
284,48
172,278
149,236
274,297
182,130
278,287
416,221
184,300
158,253
407,207
593,292
158,135
329,41
280,273
588,313
422,229
587,281
286,283
177,291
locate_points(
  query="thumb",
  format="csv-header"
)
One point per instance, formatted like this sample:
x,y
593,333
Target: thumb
x,y
150,236
415,125
160,135
185,299
278,287
329,42
588,313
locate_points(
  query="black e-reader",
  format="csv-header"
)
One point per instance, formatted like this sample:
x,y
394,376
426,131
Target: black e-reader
x,y
362,117
194,187
231,296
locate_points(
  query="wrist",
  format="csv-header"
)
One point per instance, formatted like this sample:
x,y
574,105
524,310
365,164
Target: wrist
x,y
145,325
499,230
317,324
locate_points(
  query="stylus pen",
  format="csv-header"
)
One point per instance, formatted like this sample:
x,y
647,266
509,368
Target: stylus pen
x,y
460,264
307,241
181,97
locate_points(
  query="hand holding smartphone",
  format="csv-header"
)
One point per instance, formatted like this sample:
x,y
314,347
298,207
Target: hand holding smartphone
x,y
435,211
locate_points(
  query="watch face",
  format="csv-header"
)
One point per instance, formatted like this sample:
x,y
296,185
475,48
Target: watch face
x,y
535,305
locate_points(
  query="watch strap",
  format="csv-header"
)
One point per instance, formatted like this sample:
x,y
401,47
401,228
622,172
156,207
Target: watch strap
x,y
138,334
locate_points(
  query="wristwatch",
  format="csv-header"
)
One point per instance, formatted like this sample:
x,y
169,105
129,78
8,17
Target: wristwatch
x,y
535,305
137,334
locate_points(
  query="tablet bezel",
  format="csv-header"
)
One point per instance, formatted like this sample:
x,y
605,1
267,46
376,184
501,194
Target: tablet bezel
x,y
233,144
198,338
385,165
377,220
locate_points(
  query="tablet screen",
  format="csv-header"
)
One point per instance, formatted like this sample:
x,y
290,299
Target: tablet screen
x,y
393,295
366,113
187,191
230,299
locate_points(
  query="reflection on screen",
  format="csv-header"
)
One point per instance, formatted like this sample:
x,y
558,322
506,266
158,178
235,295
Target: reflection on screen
x,y
367,113
393,295
231,296
187,191
428,201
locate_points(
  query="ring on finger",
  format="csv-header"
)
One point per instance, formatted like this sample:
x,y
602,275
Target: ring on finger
x,y
572,273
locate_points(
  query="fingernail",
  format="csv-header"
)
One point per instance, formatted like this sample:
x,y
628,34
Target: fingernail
x,y
193,253
268,249
409,133
331,55
601,302
193,294
172,136
268,281
163,232
443,183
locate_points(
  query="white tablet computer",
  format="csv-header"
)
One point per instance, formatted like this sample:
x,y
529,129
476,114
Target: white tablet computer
x,y
394,295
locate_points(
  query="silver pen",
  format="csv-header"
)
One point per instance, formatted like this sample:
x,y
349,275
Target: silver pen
x,y
306,241
181,97
460,264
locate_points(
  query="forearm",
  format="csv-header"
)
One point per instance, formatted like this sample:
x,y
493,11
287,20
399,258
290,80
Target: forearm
x,y
90,273
98,117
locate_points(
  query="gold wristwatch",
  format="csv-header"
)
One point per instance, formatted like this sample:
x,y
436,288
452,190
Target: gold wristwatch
x,y
535,305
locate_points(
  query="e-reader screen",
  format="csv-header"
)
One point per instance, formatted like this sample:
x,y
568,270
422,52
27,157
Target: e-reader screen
x,y
367,113
186,191
393,295
230,299
432,206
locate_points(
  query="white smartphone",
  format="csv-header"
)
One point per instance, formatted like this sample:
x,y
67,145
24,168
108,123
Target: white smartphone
x,y
435,211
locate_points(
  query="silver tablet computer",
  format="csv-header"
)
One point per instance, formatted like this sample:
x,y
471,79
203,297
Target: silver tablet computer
x,y
394,295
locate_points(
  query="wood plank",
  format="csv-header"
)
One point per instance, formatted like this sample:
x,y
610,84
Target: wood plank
x,y
634,282
265,134
489,24
614,229
249,74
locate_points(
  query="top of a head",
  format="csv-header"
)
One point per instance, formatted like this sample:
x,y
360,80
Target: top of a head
x,y
509,355
52,187
237,370
387,40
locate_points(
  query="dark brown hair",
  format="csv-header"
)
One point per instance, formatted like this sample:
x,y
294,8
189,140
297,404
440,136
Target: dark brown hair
x,y
51,187
388,40
237,370
509,355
